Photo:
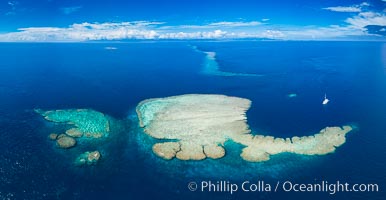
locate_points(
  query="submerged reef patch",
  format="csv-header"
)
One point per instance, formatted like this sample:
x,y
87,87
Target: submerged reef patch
x,y
65,142
87,123
88,158
196,126
53,136
211,66
292,95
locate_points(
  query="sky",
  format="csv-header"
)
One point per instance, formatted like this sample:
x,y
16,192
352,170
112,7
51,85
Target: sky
x,y
94,20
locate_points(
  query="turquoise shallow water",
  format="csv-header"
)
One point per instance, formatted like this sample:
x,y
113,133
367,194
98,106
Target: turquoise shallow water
x,y
60,76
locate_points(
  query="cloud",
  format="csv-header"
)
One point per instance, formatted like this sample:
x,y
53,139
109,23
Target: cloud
x,y
334,32
216,25
145,30
364,19
81,32
131,30
235,24
13,4
217,34
269,34
13,7
353,8
69,10
364,24
343,9
10,13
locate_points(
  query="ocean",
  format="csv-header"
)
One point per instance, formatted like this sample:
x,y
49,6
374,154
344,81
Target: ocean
x,y
113,78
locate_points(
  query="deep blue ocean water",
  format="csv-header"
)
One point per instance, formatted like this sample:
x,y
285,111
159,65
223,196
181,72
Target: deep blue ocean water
x,y
86,75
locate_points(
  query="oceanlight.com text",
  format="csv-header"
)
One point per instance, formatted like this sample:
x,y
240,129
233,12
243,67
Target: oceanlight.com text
x,y
281,186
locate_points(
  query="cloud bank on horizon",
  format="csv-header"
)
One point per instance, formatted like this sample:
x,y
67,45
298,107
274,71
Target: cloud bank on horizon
x,y
362,23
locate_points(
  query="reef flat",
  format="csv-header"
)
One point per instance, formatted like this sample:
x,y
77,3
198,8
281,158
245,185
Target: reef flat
x,y
198,122
260,147
87,123
196,126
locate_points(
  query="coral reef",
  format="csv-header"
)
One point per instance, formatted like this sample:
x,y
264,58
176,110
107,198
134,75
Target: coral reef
x,y
201,124
260,147
86,122
53,136
65,142
88,158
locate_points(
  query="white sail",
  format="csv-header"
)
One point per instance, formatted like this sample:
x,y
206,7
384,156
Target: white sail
x,y
325,101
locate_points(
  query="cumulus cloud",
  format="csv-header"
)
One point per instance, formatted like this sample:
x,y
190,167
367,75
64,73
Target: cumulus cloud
x,y
133,30
235,24
353,8
69,10
156,31
83,32
217,34
364,19
105,31
362,24
216,25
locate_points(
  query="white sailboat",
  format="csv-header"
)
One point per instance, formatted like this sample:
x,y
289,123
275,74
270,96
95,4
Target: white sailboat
x,y
325,101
